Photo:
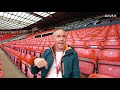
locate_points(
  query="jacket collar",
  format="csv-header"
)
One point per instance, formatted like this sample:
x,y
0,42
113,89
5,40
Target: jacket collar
x,y
68,50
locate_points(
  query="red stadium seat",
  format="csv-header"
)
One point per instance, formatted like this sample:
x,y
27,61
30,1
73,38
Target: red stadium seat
x,y
111,44
47,43
87,38
112,38
94,44
109,62
80,44
28,60
100,38
71,43
17,54
87,60
1,74
99,76
77,38
20,58
39,51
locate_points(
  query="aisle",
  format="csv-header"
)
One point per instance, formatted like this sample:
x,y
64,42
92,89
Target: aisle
x,y
10,70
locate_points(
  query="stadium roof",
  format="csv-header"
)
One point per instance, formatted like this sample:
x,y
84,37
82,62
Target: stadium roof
x,y
28,20
18,20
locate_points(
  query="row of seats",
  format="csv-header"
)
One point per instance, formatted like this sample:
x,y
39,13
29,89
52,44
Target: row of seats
x,y
109,44
23,60
7,36
98,61
101,33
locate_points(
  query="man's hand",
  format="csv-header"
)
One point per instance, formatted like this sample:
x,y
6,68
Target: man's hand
x,y
41,62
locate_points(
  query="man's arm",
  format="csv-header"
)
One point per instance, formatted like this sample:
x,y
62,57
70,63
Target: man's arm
x,y
76,69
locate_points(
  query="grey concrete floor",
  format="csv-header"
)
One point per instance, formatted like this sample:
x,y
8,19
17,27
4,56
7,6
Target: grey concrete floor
x,y
9,68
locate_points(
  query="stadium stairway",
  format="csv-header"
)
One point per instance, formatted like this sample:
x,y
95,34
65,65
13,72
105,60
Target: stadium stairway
x,y
9,69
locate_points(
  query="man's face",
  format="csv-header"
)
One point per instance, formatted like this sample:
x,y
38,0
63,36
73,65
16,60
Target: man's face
x,y
59,39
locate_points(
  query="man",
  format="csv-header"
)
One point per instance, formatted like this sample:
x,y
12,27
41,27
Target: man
x,y
60,61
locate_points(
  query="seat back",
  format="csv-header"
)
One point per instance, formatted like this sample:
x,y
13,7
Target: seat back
x,y
109,62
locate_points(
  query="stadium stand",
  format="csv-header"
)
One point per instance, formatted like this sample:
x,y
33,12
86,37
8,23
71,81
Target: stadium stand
x,y
97,46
